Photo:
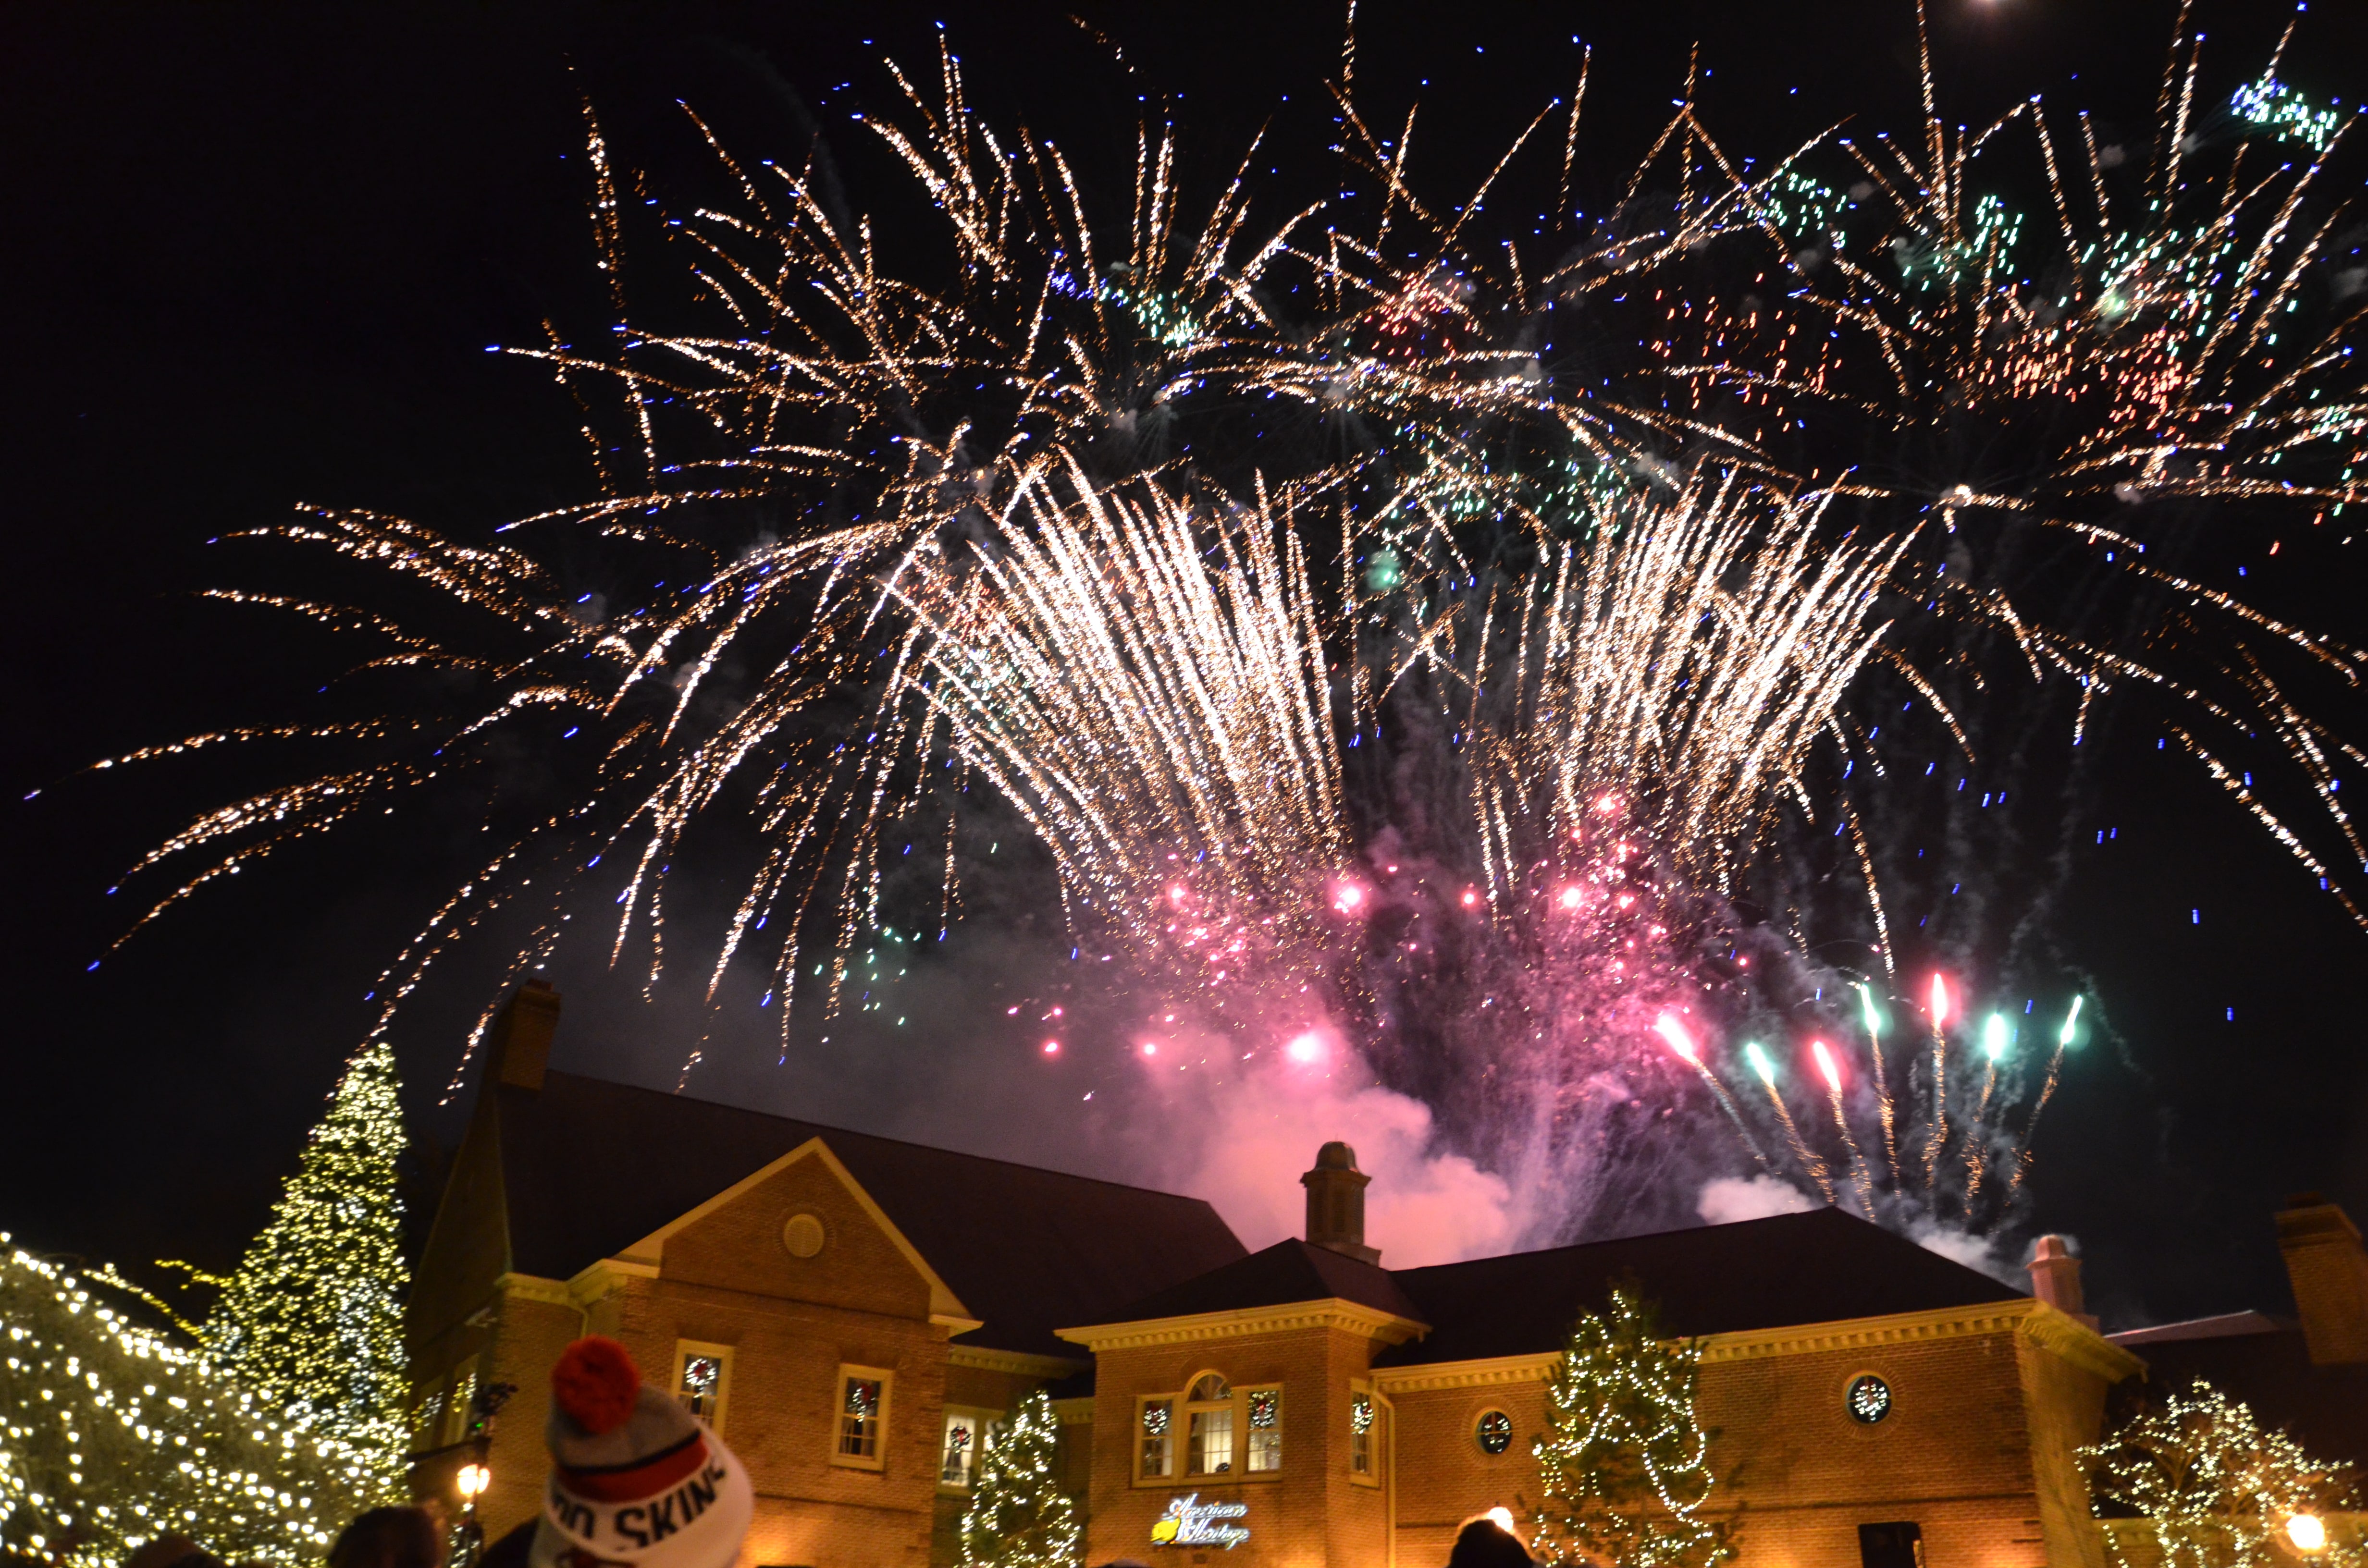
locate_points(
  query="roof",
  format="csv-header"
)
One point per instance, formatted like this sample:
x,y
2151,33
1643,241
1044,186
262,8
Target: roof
x,y
1026,1249
1820,1266
1286,1272
2269,1367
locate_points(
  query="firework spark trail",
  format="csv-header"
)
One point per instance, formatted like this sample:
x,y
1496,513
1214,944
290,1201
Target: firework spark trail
x,y
1993,1048
1674,1032
1832,1074
1936,1136
2064,1038
2167,350
1683,664
1882,1083
1160,723
1811,1164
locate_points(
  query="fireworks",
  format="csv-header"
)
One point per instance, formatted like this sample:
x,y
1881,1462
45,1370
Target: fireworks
x,y
1351,654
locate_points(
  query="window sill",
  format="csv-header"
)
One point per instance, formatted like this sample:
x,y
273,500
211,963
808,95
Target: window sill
x,y
1227,1478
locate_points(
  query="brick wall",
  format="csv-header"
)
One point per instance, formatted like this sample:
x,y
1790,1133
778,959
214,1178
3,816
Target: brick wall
x,y
1976,1450
1308,1512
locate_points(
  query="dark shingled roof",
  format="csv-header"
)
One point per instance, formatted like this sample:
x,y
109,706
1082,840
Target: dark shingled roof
x,y
2325,1408
589,1167
1820,1266
1284,1273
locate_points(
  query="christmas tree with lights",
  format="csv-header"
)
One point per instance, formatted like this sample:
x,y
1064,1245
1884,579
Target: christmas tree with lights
x,y
1017,1517
1625,1470
2214,1488
312,1319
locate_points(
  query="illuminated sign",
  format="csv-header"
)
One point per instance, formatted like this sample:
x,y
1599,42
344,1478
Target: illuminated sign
x,y
1191,1522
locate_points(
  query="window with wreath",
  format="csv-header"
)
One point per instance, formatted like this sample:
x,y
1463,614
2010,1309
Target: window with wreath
x,y
1262,1412
703,1379
965,1433
1360,1434
1158,1433
1209,1427
862,1417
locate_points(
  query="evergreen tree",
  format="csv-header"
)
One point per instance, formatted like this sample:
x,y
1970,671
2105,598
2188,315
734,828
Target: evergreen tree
x,y
1625,1470
312,1319
111,1434
1018,1515
2217,1490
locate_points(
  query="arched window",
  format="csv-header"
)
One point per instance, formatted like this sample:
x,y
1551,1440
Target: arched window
x,y
1209,1426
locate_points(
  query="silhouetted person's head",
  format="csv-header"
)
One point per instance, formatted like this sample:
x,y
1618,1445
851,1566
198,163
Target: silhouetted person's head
x,y
390,1538
1484,1544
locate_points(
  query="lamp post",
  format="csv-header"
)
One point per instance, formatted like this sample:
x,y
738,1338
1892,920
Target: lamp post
x,y
473,1480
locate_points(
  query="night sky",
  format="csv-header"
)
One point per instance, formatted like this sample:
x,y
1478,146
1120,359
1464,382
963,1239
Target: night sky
x,y
253,255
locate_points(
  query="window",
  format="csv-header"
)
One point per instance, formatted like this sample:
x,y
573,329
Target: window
x,y
864,1397
1360,1434
1209,1427
1492,1432
1895,1545
457,1410
1213,1431
703,1379
1158,1437
1264,1408
1869,1399
964,1431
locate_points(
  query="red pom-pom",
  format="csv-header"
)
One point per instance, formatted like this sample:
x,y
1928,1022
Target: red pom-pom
x,y
596,1383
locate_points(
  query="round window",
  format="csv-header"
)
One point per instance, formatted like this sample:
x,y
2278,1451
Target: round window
x,y
803,1236
1494,1432
1869,1399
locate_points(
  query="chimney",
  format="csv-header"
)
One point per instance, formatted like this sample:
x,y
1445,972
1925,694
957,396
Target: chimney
x,y
2329,1274
2055,1277
520,1041
1335,1203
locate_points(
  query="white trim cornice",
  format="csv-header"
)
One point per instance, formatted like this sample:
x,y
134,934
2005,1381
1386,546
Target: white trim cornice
x,y
1021,1363
1332,1312
2031,1322
534,1287
1497,1369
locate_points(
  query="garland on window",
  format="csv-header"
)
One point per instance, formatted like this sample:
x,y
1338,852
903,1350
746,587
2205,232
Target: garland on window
x,y
111,1434
312,1319
1624,1471
1018,1517
2216,1489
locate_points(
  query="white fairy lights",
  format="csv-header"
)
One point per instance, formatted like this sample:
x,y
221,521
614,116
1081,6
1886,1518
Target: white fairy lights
x,y
111,1434
1625,1469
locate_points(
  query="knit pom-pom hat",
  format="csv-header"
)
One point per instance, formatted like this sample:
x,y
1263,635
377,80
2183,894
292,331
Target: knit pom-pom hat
x,y
635,1478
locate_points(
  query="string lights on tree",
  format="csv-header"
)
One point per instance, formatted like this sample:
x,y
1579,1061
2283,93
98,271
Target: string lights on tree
x,y
1019,1516
312,1319
1624,1471
110,1433
2217,1490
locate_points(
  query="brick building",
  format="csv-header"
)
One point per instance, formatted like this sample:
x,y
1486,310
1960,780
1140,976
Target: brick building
x,y
854,1314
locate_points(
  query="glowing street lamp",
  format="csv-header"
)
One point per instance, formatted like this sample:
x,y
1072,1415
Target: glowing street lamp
x,y
2307,1531
472,1481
